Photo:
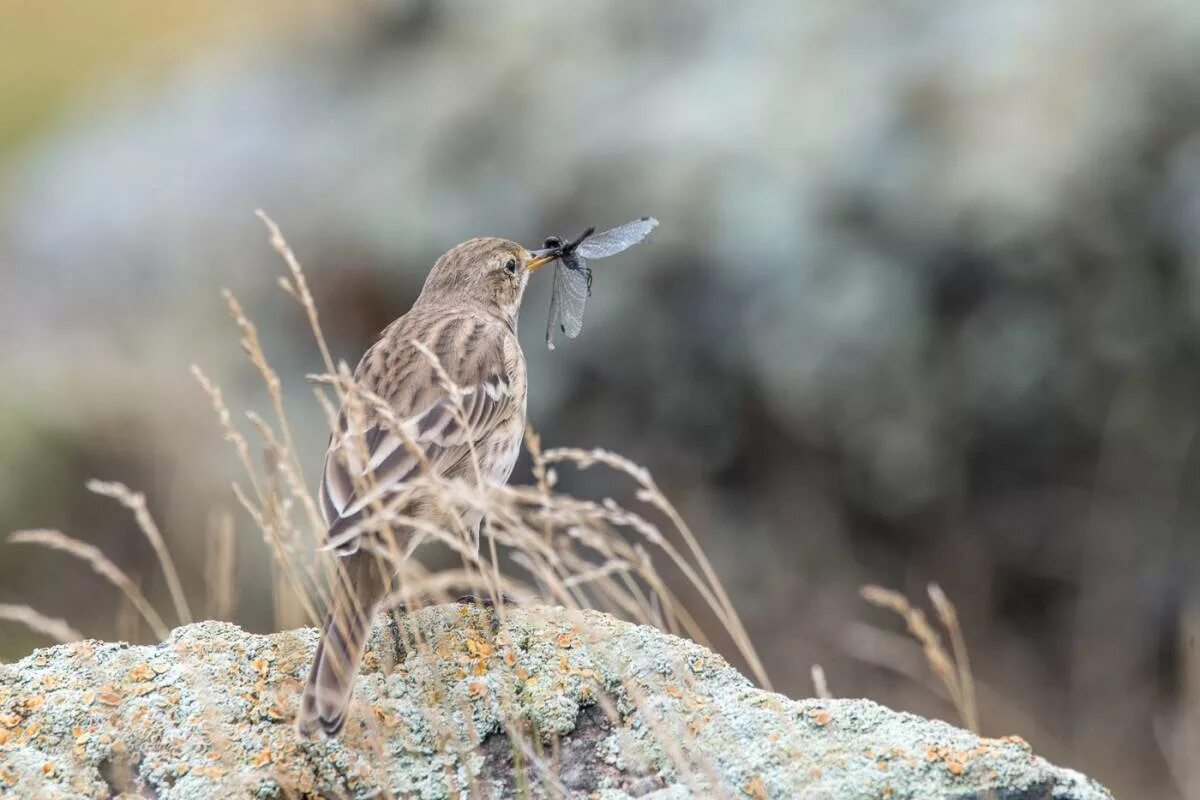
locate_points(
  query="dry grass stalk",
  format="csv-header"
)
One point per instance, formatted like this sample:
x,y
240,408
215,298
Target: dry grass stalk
x,y
820,685
966,681
136,502
954,673
220,566
56,629
253,348
55,540
300,288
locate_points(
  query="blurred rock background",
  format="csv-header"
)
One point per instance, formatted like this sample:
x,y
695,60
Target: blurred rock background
x,y
924,304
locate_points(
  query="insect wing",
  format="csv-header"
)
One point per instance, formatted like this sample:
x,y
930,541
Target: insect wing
x,y
568,298
572,293
614,240
554,320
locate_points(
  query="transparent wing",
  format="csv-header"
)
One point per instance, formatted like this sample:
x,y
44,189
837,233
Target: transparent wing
x,y
573,297
614,240
554,319
568,298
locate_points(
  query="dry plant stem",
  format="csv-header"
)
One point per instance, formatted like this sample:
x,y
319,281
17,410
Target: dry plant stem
x,y
303,295
259,359
820,686
136,502
714,593
56,629
56,540
220,572
947,670
232,435
966,681
275,508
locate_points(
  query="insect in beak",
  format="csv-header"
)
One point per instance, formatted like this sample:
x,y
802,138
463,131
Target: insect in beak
x,y
543,257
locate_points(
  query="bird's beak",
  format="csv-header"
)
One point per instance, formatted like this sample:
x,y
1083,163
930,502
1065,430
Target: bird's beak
x,y
543,257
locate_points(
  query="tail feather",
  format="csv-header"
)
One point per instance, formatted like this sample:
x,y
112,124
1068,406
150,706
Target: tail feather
x,y
330,686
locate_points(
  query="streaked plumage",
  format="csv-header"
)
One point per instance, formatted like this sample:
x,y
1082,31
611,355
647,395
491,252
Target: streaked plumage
x,y
467,316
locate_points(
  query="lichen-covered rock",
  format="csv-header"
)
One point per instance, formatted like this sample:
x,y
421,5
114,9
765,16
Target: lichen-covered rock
x,y
555,703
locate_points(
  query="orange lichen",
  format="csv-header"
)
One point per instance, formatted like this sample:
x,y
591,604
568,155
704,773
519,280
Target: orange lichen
x,y
110,698
263,758
755,788
445,648
8,776
478,690
140,673
384,716
479,648
10,720
955,767
820,717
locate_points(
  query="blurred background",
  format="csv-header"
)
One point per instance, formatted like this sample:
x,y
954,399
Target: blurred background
x,y
924,304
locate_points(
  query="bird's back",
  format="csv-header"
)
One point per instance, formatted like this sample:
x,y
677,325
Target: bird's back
x,y
477,353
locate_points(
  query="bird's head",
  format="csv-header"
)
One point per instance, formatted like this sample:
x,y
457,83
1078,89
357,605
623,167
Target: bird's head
x,y
487,271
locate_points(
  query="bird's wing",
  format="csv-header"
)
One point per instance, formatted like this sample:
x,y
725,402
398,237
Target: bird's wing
x,y
370,460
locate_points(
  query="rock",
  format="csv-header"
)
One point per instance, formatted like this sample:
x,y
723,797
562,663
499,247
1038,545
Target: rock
x,y
574,704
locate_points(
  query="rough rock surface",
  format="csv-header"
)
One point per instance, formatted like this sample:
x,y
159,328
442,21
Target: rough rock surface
x,y
554,704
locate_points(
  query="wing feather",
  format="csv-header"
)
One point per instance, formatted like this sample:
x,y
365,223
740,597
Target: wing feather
x,y
367,466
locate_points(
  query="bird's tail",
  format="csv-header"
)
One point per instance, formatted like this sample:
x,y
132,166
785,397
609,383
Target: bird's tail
x,y
356,597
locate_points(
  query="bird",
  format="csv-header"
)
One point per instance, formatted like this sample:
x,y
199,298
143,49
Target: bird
x,y
466,316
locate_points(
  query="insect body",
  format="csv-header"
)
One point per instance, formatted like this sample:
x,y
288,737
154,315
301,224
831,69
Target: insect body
x,y
573,276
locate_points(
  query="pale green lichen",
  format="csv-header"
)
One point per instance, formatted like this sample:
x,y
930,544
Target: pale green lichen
x,y
209,714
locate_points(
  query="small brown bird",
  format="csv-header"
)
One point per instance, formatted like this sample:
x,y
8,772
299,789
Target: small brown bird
x,y
466,315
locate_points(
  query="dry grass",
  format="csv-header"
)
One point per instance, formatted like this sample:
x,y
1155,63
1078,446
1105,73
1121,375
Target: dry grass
x,y
220,562
136,502
954,672
820,684
99,562
57,629
536,544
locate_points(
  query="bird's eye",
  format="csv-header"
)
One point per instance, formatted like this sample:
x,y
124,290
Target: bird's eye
x,y
511,266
